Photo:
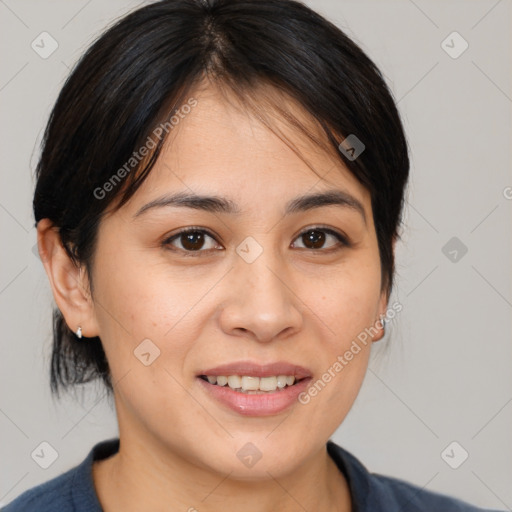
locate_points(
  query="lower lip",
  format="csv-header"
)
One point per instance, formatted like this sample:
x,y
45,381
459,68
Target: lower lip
x,y
264,404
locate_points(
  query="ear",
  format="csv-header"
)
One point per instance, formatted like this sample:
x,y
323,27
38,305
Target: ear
x,y
70,285
383,306
378,325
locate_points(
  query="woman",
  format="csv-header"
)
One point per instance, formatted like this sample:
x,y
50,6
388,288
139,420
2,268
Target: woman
x,y
217,201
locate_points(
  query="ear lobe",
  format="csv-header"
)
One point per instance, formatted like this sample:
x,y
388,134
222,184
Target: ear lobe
x,y
383,305
69,285
379,323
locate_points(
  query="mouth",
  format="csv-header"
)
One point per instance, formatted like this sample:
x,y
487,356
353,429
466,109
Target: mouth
x,y
255,390
252,385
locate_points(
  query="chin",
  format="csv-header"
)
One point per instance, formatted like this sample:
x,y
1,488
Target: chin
x,y
252,458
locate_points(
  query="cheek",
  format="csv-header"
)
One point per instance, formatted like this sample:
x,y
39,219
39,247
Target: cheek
x,y
139,313
147,330
348,313
141,298
347,305
347,302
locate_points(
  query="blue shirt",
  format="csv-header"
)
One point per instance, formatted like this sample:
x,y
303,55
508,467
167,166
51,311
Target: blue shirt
x,y
74,490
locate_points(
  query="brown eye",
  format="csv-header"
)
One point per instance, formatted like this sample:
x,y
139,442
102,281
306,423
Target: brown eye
x,y
191,240
195,240
315,238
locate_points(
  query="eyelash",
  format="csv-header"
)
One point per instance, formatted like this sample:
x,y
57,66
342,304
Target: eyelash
x,y
342,239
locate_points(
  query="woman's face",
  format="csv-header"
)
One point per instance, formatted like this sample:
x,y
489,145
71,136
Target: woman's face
x,y
269,292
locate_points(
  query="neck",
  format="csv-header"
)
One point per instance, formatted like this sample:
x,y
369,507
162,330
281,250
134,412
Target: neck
x,y
138,478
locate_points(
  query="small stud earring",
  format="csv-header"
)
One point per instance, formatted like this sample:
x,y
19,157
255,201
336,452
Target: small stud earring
x,y
79,331
383,321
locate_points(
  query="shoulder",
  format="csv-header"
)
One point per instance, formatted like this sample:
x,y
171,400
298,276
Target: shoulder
x,y
399,493
48,496
379,493
72,491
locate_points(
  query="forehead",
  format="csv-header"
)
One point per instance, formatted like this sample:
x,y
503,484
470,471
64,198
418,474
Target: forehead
x,y
221,147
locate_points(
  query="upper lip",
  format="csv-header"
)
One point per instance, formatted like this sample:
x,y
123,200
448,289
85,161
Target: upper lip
x,y
258,370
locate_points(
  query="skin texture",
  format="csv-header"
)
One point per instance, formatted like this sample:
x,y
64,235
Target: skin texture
x,y
293,303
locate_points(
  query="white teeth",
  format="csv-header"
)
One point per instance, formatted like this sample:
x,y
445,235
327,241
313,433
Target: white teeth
x,y
268,383
221,380
234,382
250,384
281,381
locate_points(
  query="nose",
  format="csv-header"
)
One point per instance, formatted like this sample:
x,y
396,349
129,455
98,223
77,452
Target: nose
x,y
261,303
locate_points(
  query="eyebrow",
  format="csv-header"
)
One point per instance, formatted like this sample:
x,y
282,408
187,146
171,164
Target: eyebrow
x,y
216,204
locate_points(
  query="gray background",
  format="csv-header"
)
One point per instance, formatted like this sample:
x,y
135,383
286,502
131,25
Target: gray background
x,y
444,372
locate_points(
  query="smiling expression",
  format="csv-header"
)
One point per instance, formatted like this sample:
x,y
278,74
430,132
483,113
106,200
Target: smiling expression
x,y
279,266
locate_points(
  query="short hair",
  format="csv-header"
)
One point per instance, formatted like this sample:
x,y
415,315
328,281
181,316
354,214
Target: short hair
x,y
131,80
